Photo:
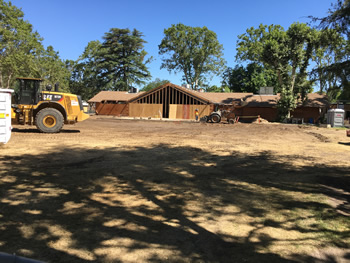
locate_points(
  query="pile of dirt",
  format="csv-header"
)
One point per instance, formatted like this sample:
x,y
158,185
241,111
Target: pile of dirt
x,y
260,120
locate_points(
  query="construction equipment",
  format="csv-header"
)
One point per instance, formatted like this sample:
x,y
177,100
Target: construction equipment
x,y
48,110
222,112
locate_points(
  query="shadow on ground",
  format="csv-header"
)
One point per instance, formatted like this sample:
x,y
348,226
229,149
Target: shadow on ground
x,y
166,204
37,131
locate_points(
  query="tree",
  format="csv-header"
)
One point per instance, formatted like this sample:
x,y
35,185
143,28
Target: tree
x,y
154,84
22,53
338,18
338,69
85,72
194,51
52,69
332,50
19,45
250,78
217,89
121,59
288,53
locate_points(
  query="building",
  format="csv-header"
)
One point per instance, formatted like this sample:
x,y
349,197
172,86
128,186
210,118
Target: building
x,y
176,102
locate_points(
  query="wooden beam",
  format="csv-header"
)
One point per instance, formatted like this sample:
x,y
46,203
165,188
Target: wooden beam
x,y
165,99
172,96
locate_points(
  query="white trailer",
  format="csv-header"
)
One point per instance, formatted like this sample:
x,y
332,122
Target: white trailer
x,y
5,115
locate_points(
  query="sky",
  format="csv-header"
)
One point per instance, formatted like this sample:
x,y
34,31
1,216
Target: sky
x,y
69,25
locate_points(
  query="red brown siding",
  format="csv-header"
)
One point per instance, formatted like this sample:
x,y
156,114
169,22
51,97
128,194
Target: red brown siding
x,y
112,109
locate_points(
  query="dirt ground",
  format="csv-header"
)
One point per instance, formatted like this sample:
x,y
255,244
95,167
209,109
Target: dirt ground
x,y
109,190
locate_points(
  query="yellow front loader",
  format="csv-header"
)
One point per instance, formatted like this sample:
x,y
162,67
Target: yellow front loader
x,y
48,110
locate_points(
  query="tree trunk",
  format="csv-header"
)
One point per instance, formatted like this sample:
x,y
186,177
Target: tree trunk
x,y
1,87
9,80
293,79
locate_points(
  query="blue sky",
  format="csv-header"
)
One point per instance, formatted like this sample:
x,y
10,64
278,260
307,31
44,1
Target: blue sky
x,y
69,25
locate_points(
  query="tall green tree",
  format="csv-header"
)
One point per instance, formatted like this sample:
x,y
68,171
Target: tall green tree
x,y
52,69
288,53
22,53
332,50
338,18
194,51
250,78
19,45
339,67
85,72
121,59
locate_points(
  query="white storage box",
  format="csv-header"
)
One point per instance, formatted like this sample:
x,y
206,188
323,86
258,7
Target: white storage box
x,y
5,115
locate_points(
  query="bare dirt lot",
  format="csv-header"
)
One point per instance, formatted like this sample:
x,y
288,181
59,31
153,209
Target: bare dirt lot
x,y
108,190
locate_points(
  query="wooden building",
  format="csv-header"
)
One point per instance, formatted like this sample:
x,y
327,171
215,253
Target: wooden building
x,y
169,101
176,102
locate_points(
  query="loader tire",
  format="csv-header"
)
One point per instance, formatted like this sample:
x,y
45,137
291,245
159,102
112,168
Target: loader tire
x,y
204,119
215,118
49,120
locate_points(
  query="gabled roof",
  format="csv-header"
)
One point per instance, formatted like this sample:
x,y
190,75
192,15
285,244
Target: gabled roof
x,y
197,95
113,96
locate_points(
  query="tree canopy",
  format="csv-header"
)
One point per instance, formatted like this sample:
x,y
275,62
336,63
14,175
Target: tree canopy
x,y
194,51
334,65
217,89
121,59
19,45
154,84
22,53
250,78
85,78
338,18
115,64
287,52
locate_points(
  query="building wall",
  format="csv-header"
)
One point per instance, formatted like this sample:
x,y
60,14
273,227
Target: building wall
x,y
270,114
145,110
179,111
112,109
308,114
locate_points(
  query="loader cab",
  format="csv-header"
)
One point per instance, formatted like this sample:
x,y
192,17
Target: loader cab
x,y
28,91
